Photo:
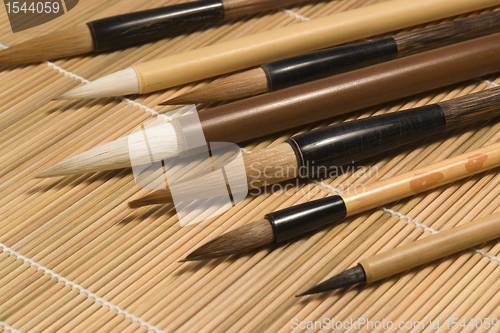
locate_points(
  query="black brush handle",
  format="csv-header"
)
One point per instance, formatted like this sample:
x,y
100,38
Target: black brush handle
x,y
366,137
122,31
298,220
320,64
319,152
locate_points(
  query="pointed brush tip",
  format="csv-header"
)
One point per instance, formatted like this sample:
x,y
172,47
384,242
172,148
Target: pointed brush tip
x,y
175,101
344,279
134,204
62,97
190,258
45,174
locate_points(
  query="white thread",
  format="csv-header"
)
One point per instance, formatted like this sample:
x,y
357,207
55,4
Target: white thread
x,y
331,188
410,220
243,150
494,84
487,255
65,72
297,15
426,228
81,289
84,80
7,326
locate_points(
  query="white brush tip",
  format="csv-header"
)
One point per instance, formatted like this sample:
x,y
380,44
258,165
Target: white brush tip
x,y
116,154
124,82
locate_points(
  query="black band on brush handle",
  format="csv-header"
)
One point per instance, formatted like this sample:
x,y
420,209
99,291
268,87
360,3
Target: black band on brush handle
x,y
129,29
343,143
320,64
298,220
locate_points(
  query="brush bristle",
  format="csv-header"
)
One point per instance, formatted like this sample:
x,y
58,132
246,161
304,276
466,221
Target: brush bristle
x,y
250,236
124,82
241,85
116,154
347,278
156,198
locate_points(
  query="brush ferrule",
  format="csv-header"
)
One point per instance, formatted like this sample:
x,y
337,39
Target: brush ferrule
x,y
298,220
321,151
316,65
121,31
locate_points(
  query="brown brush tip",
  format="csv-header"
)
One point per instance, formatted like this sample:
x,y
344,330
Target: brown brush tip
x,y
345,279
236,86
155,198
179,100
250,236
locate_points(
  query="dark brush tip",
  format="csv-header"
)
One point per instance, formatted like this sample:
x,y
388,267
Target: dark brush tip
x,y
175,101
250,236
134,204
345,279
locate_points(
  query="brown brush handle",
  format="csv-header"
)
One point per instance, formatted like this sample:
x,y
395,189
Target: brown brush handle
x,y
461,111
431,248
235,8
447,33
423,179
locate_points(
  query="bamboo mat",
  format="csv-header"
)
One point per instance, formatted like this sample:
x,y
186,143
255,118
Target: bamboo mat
x,y
75,258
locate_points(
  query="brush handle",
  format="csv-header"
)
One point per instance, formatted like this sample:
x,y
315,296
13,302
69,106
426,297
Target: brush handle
x,y
282,110
323,150
478,106
260,48
292,71
299,220
447,33
423,179
312,66
121,31
431,248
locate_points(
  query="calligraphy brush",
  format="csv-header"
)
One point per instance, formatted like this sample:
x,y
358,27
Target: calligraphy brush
x,y
272,45
303,68
300,220
281,110
414,254
121,31
319,153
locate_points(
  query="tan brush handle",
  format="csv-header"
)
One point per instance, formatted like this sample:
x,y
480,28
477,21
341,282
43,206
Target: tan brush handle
x,y
422,179
299,38
235,8
431,248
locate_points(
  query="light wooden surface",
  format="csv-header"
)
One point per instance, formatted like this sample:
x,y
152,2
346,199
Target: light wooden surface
x,y
80,229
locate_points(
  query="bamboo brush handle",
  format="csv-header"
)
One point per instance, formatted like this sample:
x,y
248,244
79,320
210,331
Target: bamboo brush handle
x,y
431,248
423,179
307,36
447,33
